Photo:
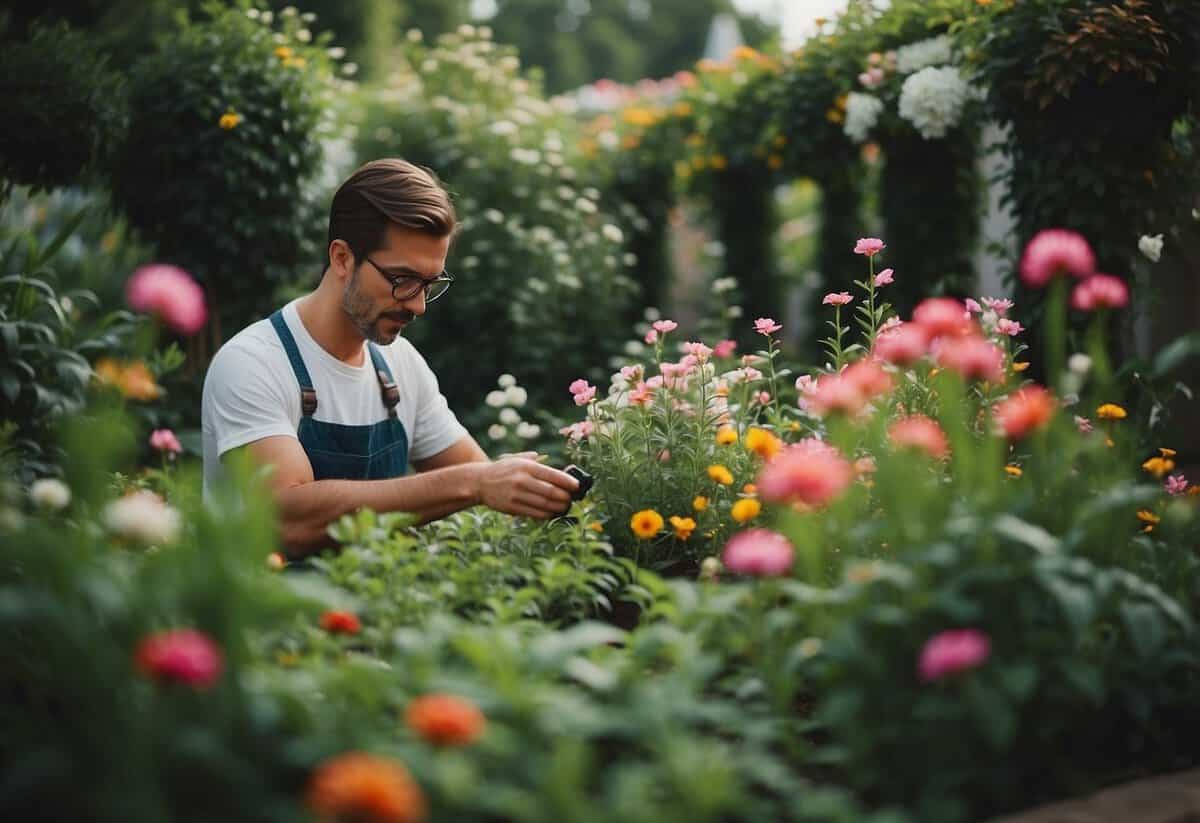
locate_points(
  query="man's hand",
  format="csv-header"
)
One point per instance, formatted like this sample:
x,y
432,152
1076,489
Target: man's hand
x,y
518,484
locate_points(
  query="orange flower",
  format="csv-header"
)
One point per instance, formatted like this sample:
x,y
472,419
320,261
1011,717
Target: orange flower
x,y
1013,471
719,474
646,523
1111,411
1159,466
340,622
745,509
276,561
365,787
683,526
700,502
229,120
1147,516
1024,411
750,488
596,527
133,380
445,720
762,443
726,435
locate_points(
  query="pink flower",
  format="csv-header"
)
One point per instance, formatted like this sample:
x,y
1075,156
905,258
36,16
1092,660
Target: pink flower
x,y
1100,291
973,307
942,317
952,652
1010,327
870,246
164,440
870,377
758,552
1176,484
664,326
865,465
651,337
892,322
675,375
1053,252
642,394
837,298
1025,410
920,432
1083,424
903,345
762,398
884,277
806,384
583,392
746,374
698,350
180,656
578,431
834,393
1000,305
810,472
655,382
724,349
169,292
631,374
972,357
765,325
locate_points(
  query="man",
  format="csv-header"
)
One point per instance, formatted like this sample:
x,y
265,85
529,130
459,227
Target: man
x,y
329,394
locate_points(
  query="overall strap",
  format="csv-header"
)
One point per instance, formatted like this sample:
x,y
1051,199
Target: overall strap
x,y
308,395
387,386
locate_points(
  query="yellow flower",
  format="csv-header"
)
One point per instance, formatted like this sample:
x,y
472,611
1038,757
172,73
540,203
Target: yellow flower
x,y
699,162
276,561
1111,411
700,502
229,120
762,443
1108,441
745,53
1166,452
1159,466
683,526
639,116
134,380
1013,471
1020,366
693,140
596,527
646,523
681,109
745,509
720,474
1147,516
726,435
283,53
719,162
295,62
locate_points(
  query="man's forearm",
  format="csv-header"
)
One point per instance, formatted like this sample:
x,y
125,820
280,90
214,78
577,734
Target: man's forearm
x,y
305,511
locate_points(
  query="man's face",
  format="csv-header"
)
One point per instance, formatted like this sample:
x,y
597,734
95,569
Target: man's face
x,y
368,300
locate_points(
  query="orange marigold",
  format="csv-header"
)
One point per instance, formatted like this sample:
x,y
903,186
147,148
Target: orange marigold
x,y
445,720
762,443
365,787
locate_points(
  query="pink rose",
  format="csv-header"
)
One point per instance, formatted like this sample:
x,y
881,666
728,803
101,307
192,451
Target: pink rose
x,y
1010,327
1000,305
1024,411
902,345
758,552
952,652
169,292
1176,484
972,357
942,317
651,337
698,350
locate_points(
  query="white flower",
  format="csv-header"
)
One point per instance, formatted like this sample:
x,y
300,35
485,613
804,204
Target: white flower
x,y
734,311
304,35
933,100
308,17
349,68
515,396
567,280
526,157
466,30
584,205
862,113
651,313
266,16
494,216
528,431
49,493
503,128
633,348
413,35
509,417
495,399
144,517
629,258
506,380
497,432
288,11
935,51
337,52
1151,245
612,233
1079,363
724,284
252,14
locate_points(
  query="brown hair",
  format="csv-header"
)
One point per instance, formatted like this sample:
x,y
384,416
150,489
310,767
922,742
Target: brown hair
x,y
386,191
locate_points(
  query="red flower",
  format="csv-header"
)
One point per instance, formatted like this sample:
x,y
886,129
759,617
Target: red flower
x,y
340,622
445,720
365,787
180,656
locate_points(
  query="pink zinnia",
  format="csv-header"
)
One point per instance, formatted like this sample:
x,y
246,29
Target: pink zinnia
x,y
903,345
1023,411
169,292
972,357
765,325
664,326
870,246
952,652
870,377
180,656
835,393
164,440
1053,252
762,398
1176,484
698,350
724,349
840,298
1010,327
758,552
920,432
942,317
884,278
809,472
1100,291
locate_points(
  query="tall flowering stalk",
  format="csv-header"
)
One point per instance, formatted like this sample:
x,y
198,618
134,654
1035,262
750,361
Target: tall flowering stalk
x,y
833,345
870,315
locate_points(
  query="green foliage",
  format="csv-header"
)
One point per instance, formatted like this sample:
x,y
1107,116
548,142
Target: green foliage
x,y
61,103
235,204
542,273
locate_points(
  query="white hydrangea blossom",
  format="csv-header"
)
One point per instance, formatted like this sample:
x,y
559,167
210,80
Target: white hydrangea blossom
x,y
528,431
509,416
933,100
612,233
516,396
496,431
495,399
862,113
142,516
49,493
506,380
936,51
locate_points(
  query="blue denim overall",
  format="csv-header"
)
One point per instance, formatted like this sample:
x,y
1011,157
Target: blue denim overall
x,y
370,452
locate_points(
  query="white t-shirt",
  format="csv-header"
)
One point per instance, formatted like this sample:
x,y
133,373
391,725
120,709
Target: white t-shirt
x,y
251,392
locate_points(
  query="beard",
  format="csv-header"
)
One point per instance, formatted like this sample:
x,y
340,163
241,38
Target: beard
x,y
361,311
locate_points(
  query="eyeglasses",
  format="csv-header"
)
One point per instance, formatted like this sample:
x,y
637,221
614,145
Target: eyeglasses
x,y
407,286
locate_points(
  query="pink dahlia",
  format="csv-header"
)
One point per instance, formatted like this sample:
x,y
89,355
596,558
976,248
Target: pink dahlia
x,y
1100,291
972,357
952,652
169,292
942,317
180,656
1053,252
920,432
809,472
758,552
902,345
